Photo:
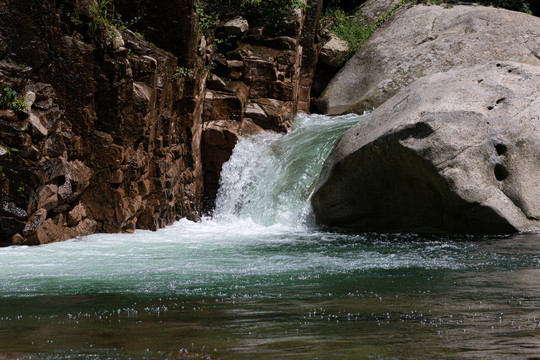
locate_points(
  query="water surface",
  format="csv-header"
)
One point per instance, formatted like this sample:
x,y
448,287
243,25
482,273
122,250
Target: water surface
x,y
258,281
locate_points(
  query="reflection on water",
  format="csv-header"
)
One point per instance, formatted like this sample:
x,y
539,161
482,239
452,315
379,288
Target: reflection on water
x,y
468,299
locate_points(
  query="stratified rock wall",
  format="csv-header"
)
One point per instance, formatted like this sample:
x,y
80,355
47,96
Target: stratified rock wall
x,y
120,123
259,84
112,141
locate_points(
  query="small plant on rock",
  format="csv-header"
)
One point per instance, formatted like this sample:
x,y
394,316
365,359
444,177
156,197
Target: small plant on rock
x,y
10,100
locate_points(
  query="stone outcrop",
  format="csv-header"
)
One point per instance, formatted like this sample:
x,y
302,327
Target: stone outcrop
x,y
259,84
456,151
111,141
119,124
423,40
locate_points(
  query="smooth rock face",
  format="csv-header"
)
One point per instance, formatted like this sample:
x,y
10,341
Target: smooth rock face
x,y
423,40
456,151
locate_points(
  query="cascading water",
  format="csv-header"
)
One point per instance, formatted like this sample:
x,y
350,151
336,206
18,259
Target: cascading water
x,y
255,281
268,176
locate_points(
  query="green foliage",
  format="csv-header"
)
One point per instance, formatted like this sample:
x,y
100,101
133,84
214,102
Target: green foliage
x,y
183,72
270,13
7,96
517,5
104,16
207,20
9,99
352,27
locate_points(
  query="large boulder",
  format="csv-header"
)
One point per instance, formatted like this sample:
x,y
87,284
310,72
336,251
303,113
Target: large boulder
x,y
456,151
423,40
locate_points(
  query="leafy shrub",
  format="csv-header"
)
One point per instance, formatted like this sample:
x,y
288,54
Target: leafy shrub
x,y
104,16
273,14
7,96
352,27
9,99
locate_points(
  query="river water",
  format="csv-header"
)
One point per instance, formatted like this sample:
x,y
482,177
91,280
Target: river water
x,y
258,281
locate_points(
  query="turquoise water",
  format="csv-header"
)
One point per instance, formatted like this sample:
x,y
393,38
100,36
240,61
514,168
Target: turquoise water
x,y
259,281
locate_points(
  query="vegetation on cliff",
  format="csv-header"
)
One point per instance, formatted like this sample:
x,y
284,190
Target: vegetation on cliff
x,y
345,18
274,14
10,100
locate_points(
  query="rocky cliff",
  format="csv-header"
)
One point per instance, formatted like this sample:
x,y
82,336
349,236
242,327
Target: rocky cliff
x,y
123,130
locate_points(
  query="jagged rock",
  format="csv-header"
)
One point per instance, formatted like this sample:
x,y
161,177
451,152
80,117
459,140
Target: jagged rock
x,y
8,115
334,51
222,106
3,152
47,232
234,26
12,217
29,98
216,83
17,239
281,43
38,130
116,177
235,68
142,93
47,197
80,176
259,75
78,213
456,151
276,117
35,221
254,111
463,35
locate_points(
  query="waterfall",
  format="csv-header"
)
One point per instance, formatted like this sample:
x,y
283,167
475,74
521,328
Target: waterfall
x,y
268,177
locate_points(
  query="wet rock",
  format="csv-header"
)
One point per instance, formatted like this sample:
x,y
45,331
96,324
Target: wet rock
x,y
277,114
455,151
47,232
17,239
35,221
12,218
